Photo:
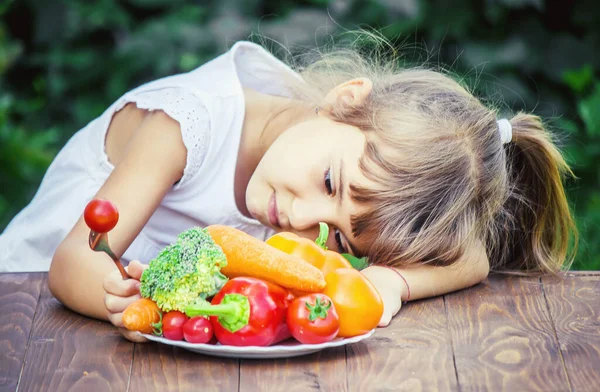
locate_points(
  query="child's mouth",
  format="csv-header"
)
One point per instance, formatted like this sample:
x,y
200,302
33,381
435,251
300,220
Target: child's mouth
x,y
273,212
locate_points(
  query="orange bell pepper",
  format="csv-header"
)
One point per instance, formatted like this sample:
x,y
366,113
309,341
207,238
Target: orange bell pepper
x,y
356,301
314,252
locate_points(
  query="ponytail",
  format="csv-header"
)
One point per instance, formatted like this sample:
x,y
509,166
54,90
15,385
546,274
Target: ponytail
x,y
533,231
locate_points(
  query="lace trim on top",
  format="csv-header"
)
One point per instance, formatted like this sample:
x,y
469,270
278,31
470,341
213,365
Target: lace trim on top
x,y
187,109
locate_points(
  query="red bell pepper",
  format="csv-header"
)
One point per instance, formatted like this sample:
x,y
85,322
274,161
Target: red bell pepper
x,y
247,312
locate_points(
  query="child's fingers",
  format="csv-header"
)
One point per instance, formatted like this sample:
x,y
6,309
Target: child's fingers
x,y
388,315
132,336
114,284
135,269
116,304
385,320
116,319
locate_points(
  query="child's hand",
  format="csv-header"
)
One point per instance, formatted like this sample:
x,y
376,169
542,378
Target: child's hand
x,y
119,293
390,287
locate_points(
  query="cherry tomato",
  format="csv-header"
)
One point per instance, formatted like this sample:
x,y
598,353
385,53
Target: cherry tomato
x,y
198,330
172,325
313,319
101,215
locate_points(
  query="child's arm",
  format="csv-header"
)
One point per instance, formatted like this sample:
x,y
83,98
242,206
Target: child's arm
x,y
149,163
427,281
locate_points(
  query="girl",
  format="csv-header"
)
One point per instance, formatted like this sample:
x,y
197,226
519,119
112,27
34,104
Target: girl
x,y
405,165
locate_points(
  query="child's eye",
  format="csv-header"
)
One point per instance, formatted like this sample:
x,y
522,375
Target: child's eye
x,y
328,182
338,241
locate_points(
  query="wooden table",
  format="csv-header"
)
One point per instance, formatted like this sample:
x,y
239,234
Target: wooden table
x,y
506,334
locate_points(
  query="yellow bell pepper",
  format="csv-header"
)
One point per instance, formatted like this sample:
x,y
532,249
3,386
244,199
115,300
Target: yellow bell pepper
x,y
314,252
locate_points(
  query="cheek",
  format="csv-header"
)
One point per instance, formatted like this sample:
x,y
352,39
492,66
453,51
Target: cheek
x,y
285,159
258,187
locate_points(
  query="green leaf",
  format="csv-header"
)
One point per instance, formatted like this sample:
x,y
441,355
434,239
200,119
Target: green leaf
x,y
189,61
579,79
590,113
357,263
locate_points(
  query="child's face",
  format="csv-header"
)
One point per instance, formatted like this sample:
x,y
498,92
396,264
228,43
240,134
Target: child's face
x,y
297,182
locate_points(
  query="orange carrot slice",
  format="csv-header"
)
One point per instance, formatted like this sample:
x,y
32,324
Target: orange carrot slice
x,y
141,315
249,256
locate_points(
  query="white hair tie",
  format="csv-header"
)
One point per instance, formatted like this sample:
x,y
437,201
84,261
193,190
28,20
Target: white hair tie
x,y
505,130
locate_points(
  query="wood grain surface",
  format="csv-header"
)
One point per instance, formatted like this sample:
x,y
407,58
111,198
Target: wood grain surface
x,y
19,295
68,352
506,334
412,354
322,371
158,367
574,305
503,337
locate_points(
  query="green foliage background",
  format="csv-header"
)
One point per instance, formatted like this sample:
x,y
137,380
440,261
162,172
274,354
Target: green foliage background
x,y
62,62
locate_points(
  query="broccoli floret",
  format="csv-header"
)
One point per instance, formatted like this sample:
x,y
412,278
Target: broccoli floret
x,y
184,271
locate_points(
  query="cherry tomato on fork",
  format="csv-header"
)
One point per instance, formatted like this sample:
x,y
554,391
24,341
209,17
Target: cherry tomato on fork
x,y
312,319
101,215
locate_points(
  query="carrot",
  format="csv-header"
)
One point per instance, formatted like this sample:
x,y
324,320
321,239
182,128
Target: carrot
x,y
251,257
141,315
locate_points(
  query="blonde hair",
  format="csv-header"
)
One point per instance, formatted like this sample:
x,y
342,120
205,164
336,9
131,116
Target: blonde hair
x,y
444,178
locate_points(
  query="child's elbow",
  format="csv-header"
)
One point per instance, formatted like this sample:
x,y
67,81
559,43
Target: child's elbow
x,y
480,264
56,274
482,270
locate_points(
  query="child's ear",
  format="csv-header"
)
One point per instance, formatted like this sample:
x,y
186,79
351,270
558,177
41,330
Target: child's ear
x,y
348,95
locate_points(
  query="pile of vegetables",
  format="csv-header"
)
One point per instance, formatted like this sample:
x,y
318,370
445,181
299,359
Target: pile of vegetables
x,y
219,284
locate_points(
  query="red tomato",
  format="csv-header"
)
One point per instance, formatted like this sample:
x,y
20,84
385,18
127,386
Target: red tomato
x,y
172,325
101,215
198,330
313,319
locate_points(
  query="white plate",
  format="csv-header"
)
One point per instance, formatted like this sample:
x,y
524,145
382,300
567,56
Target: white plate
x,y
288,348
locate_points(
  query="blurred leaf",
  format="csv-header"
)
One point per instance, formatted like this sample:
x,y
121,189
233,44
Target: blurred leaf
x,y
589,109
50,19
448,19
300,26
586,14
229,26
579,79
189,61
9,51
409,8
156,3
538,4
563,53
5,5
6,212
510,52
84,17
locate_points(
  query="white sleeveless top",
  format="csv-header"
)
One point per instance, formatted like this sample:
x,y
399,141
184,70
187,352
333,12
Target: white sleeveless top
x,y
208,103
